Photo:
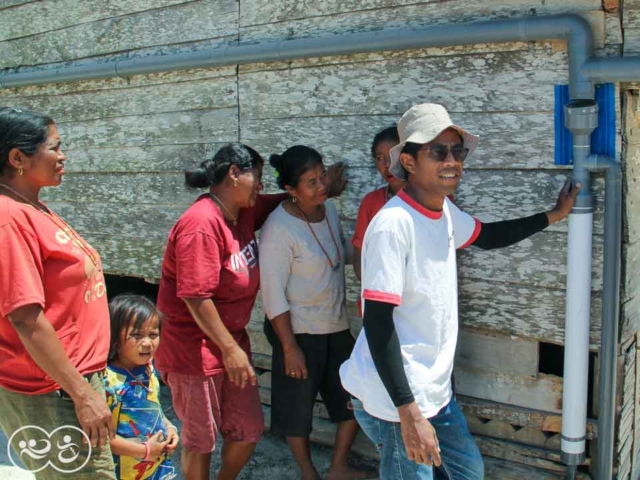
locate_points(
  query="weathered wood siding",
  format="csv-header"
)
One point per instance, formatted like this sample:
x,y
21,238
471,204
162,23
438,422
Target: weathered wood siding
x,y
128,139
631,246
629,428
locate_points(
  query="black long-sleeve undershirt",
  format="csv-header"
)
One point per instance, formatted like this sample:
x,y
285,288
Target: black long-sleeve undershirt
x,y
378,323
507,232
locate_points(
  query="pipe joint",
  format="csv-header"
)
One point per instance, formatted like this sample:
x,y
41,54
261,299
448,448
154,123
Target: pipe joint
x,y
604,163
573,458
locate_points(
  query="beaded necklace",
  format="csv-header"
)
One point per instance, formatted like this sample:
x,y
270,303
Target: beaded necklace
x,y
59,222
335,244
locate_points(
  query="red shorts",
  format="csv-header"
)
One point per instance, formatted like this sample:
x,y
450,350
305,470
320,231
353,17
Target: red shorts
x,y
210,404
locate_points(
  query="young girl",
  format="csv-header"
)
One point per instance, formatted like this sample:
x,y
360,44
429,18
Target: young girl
x,y
144,436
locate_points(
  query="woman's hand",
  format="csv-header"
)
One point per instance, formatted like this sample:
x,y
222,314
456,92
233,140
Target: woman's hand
x,y
157,446
565,202
238,367
40,340
295,364
336,183
94,417
173,439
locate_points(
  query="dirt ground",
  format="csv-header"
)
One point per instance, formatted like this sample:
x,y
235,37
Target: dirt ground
x,y
271,460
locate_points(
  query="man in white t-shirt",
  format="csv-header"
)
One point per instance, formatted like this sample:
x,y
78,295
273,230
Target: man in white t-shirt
x,y
399,373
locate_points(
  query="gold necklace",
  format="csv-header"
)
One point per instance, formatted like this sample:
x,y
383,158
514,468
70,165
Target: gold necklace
x,y
218,202
59,222
335,244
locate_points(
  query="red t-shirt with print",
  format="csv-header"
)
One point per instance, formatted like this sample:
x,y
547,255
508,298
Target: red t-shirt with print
x,y
208,257
43,264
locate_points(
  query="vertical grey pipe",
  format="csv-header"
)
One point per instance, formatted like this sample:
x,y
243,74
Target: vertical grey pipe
x,y
610,312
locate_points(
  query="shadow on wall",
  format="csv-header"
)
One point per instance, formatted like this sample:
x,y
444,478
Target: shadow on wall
x,y
117,285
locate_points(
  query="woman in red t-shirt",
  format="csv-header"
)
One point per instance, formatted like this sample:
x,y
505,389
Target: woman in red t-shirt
x,y
210,279
54,318
384,141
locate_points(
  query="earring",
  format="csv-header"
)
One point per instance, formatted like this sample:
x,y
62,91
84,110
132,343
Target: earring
x,y
294,199
20,171
235,182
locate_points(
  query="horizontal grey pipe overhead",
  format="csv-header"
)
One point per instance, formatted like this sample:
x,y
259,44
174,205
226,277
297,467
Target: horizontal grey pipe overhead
x,y
572,28
612,69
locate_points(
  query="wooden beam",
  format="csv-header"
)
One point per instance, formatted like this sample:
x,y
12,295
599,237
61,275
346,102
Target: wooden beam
x,y
543,392
496,353
523,417
521,454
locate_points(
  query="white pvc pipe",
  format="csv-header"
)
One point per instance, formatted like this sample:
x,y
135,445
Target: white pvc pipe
x,y
576,349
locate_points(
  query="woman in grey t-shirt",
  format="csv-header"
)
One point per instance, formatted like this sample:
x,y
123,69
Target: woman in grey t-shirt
x,y
302,259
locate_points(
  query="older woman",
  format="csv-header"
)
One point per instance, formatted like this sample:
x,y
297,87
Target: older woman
x,y
54,319
210,280
303,294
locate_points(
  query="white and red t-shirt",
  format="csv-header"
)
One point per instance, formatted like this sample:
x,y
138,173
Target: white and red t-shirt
x,y
409,260
43,263
206,257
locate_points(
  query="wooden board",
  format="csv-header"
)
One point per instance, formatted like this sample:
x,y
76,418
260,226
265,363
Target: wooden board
x,y
497,82
190,22
496,353
161,78
495,469
524,455
543,392
535,313
144,158
547,422
175,128
13,3
502,430
538,261
255,12
44,16
176,97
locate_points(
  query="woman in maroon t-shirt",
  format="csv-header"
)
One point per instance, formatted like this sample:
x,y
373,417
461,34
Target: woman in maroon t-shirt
x,y
210,279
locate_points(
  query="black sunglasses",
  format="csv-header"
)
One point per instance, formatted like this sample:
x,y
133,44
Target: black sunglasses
x,y
440,152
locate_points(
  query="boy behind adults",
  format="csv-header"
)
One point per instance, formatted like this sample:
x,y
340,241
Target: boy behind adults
x,y
399,373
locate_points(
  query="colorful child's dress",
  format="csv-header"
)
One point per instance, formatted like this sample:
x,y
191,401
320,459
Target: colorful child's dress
x,y
133,397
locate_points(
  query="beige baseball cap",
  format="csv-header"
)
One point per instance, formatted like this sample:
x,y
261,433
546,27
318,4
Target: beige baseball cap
x,y
422,124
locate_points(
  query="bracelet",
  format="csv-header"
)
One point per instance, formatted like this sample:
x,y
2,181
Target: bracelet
x,y
172,426
147,451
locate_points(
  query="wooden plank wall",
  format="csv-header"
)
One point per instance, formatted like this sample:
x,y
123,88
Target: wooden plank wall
x,y
626,387
631,254
128,140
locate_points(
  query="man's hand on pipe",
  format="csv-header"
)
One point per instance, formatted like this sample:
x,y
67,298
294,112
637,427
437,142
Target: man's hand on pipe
x,y
564,204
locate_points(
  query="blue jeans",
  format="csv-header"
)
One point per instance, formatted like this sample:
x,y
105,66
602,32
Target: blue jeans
x,y
461,459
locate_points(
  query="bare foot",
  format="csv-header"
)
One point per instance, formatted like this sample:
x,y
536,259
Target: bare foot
x,y
310,475
350,474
